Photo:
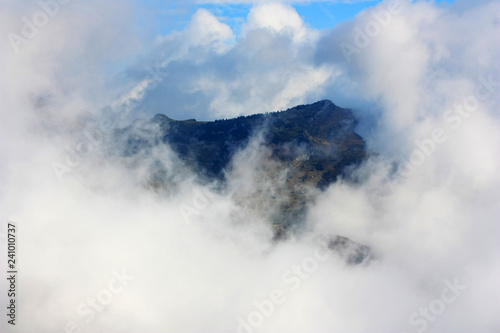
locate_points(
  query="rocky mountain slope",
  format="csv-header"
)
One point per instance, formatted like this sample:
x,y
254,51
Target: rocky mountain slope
x,y
305,149
317,141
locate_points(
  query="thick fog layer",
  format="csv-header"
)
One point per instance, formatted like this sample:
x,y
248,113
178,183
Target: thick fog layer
x,y
100,249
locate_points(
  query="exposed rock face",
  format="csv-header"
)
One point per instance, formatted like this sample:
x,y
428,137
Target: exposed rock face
x,y
353,253
316,141
306,149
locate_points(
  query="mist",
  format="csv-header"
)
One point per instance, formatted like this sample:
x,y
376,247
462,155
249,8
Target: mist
x,y
101,249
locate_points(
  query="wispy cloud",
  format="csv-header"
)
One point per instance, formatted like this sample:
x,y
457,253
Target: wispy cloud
x,y
438,224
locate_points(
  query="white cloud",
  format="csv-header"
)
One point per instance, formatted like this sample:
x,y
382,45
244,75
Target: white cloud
x,y
269,67
437,224
279,18
261,2
204,30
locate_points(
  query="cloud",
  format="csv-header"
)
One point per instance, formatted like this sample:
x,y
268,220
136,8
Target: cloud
x,y
278,18
203,30
261,2
431,67
268,68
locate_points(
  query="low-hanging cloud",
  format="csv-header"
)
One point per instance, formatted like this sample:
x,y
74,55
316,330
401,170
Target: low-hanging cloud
x,y
102,226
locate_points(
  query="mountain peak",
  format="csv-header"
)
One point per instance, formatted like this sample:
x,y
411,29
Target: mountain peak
x,y
321,131
160,118
307,146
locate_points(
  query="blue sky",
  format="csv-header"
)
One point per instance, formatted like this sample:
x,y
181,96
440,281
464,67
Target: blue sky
x,y
164,17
